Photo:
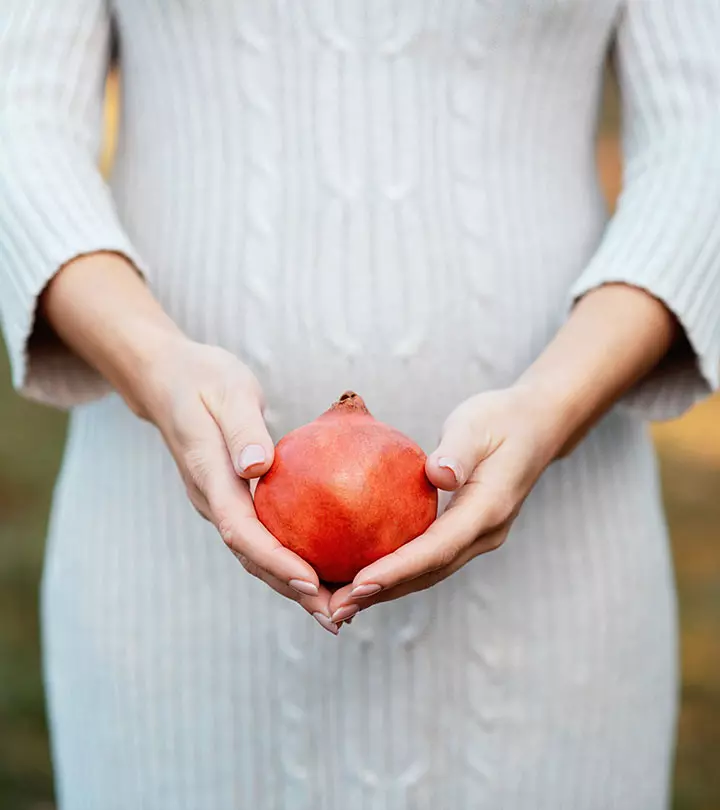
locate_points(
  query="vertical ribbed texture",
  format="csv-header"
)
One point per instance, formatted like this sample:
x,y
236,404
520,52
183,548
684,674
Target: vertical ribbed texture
x,y
665,235
393,196
54,204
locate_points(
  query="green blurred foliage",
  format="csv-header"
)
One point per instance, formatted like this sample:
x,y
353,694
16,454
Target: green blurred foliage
x,y
31,440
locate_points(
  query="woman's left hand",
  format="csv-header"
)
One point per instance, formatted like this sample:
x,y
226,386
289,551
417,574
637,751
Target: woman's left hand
x,y
493,449
495,446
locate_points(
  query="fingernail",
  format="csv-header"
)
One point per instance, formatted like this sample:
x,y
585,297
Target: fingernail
x,y
251,455
325,623
450,464
344,613
365,590
305,588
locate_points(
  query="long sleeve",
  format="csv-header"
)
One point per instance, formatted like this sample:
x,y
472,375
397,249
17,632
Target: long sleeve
x,y
54,203
665,235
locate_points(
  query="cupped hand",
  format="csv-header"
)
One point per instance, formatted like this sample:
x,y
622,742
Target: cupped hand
x,y
493,449
209,408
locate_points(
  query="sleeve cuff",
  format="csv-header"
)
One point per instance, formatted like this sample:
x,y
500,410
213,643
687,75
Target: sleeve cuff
x,y
55,207
43,368
681,380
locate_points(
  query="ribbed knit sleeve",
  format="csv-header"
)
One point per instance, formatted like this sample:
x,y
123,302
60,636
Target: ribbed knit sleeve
x,y
665,235
54,204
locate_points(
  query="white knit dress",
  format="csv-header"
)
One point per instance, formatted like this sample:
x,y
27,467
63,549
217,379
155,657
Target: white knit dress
x,y
399,197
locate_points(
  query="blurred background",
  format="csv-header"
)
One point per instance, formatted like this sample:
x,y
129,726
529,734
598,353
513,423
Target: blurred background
x,y
31,440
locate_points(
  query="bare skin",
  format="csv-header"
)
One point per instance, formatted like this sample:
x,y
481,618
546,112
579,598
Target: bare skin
x,y
205,402
208,407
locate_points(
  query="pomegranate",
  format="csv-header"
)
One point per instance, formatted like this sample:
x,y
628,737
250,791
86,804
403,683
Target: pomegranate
x,y
345,490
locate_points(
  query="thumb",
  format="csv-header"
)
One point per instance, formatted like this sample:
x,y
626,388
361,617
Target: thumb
x,y
462,447
246,436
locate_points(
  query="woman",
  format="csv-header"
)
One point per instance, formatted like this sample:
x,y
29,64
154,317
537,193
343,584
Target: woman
x,y
398,197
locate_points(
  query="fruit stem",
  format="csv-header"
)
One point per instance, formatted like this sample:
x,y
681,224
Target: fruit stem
x,y
350,402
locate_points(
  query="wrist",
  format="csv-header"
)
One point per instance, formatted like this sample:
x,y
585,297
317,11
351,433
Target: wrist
x,y
615,335
564,413
139,364
556,413
102,309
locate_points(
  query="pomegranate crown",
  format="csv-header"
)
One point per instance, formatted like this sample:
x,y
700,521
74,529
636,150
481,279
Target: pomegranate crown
x,y
348,403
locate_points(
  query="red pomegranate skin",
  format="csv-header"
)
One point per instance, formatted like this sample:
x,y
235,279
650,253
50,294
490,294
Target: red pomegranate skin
x,y
345,490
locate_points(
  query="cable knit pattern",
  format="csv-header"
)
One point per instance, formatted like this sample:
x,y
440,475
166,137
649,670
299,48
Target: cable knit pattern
x,y
400,197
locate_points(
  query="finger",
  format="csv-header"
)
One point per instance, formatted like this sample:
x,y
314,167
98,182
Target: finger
x,y
464,444
316,606
243,533
198,500
473,514
207,464
340,598
238,413
485,544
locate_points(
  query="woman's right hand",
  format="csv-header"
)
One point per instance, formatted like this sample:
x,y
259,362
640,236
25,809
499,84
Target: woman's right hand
x,y
205,402
208,406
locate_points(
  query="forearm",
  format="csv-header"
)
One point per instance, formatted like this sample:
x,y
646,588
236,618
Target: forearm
x,y
101,308
614,337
